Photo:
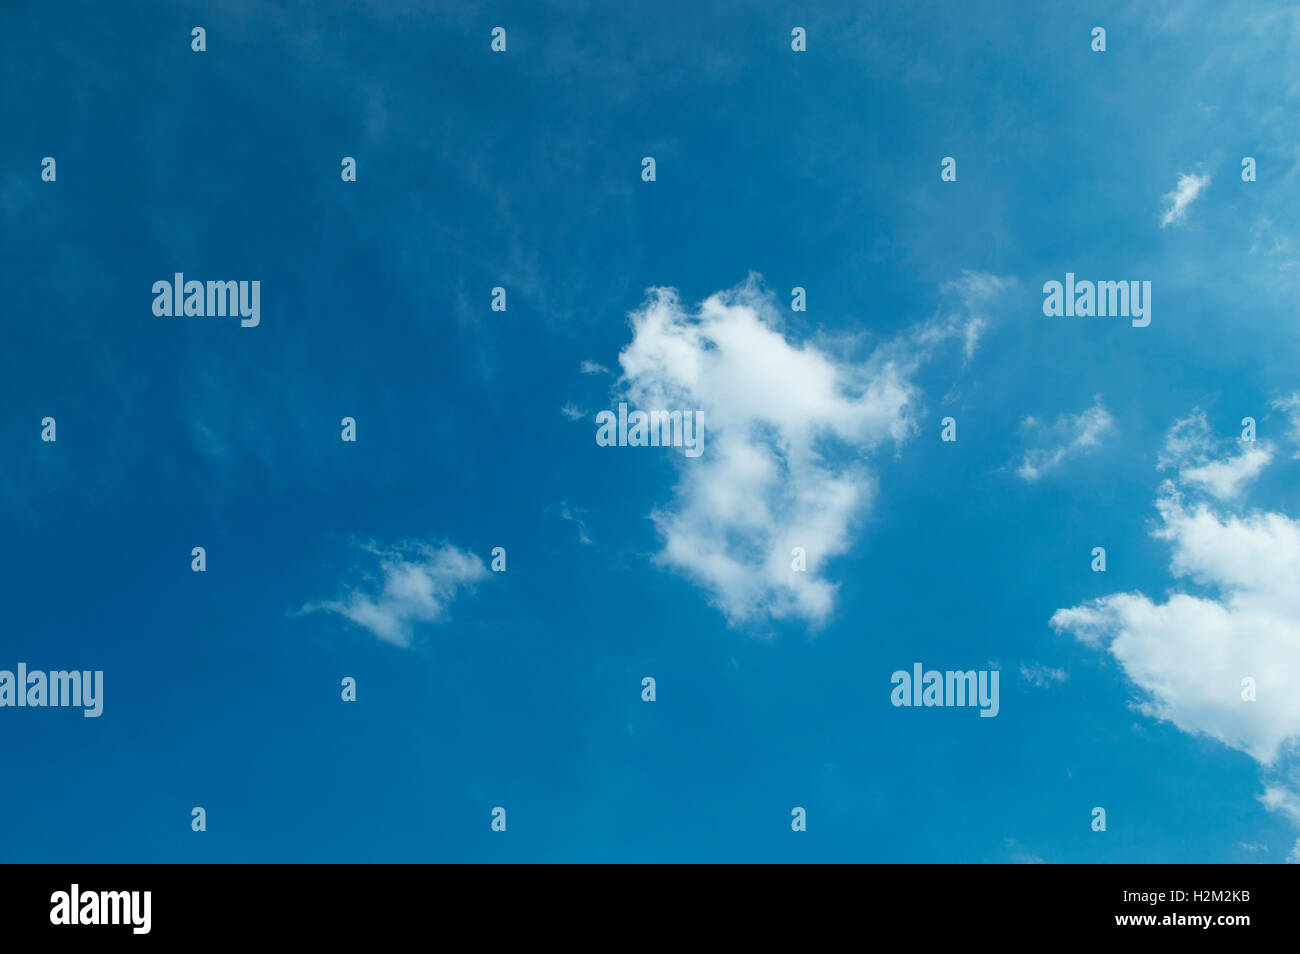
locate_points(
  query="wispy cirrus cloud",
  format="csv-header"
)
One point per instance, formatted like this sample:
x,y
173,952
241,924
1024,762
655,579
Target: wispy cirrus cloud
x,y
1020,855
977,292
1291,406
572,514
1069,436
1040,676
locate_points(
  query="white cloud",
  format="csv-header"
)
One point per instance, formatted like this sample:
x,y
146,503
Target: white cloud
x,y
1291,405
417,582
1022,856
1189,440
1040,676
971,335
1226,478
1185,193
575,515
1285,802
1070,435
1266,240
1189,654
1201,460
976,291
592,367
788,425
572,411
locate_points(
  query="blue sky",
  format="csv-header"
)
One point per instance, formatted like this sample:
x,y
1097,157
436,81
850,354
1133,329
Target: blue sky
x,y
521,689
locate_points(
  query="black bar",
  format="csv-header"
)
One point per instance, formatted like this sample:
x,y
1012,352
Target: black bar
x,y
336,903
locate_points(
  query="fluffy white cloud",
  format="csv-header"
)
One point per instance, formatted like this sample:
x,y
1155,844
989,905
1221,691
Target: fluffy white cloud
x,y
1190,654
1226,478
1185,193
788,425
416,583
1070,435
